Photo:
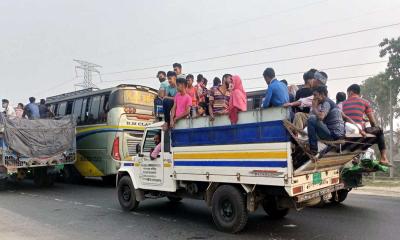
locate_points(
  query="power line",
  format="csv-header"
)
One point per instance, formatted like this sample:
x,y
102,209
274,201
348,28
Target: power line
x,y
329,80
283,74
274,61
260,49
325,68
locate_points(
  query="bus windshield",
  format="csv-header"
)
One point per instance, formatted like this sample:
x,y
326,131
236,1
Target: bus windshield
x,y
123,97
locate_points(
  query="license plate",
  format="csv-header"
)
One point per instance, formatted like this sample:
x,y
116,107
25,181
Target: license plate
x,y
317,178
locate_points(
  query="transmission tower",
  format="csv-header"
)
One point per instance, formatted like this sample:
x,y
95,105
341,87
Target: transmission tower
x,y
87,68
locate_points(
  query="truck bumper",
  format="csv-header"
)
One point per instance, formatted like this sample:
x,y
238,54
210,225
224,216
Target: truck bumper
x,y
318,193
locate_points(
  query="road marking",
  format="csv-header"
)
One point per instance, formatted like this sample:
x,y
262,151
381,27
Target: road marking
x,y
92,206
290,225
58,200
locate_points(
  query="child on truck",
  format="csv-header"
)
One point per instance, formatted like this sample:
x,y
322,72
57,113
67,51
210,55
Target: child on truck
x,y
182,102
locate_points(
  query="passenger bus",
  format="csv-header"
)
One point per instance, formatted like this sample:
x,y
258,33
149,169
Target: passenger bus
x,y
110,122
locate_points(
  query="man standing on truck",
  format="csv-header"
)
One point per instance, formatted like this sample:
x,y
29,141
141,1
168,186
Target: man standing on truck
x,y
8,111
182,102
325,121
356,108
31,109
277,93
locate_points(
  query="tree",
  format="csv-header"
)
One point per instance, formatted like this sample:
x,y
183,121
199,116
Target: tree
x,y
376,89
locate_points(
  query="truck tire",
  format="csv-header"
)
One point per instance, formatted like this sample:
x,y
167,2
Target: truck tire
x,y
270,206
126,194
71,175
229,210
41,178
3,184
174,199
341,196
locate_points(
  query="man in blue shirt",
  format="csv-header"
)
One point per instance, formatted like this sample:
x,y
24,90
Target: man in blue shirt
x,y
31,110
277,93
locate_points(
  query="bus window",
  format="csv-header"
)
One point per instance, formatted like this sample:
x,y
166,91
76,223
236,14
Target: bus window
x,y
82,117
94,110
123,97
103,105
77,110
69,107
54,108
61,109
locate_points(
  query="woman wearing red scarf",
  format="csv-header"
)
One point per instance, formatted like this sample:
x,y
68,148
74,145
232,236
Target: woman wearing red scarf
x,y
238,100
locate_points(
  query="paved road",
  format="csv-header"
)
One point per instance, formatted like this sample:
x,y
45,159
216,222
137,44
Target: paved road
x,y
91,211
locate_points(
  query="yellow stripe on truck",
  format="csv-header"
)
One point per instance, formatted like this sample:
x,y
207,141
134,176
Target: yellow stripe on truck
x,y
232,155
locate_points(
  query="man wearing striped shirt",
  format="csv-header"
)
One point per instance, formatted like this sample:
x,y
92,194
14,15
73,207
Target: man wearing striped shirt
x,y
356,108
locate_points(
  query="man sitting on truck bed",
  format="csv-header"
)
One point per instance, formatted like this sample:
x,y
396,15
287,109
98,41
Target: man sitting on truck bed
x,y
325,121
355,108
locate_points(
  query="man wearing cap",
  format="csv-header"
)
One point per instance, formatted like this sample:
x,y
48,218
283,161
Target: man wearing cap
x,y
300,118
8,111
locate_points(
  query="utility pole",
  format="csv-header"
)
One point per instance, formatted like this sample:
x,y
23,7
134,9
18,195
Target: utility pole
x,y
391,129
88,68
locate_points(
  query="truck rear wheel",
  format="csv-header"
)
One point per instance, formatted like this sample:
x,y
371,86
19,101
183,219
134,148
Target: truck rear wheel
x,y
229,210
271,207
3,183
339,196
41,178
71,175
126,194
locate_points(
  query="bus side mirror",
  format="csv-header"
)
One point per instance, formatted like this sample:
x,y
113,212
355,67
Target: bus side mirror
x,y
138,148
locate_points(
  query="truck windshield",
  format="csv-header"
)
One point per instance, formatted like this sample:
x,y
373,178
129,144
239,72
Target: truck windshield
x,y
124,97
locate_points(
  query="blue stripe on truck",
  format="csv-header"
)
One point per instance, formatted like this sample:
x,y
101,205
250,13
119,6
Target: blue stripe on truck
x,y
260,132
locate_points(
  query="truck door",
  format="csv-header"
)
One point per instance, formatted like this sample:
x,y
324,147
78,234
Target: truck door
x,y
151,170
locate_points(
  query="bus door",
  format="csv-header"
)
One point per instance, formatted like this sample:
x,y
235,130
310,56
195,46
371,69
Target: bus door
x,y
151,171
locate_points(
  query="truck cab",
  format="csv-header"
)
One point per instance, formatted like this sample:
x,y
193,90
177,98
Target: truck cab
x,y
233,168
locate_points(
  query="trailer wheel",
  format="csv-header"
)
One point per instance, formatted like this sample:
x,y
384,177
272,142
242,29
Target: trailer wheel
x,y
3,184
229,209
126,194
341,196
270,206
174,199
71,175
41,178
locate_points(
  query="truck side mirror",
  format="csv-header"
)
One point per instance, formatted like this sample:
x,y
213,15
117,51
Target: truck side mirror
x,y
138,148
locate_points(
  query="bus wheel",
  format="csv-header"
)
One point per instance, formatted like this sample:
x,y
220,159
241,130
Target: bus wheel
x,y
339,196
174,199
271,208
229,209
126,194
71,175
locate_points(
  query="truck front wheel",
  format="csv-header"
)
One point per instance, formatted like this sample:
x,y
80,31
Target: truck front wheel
x,y
126,194
271,207
229,210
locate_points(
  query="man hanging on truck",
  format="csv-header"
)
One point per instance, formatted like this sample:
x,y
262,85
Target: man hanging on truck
x,y
356,108
325,121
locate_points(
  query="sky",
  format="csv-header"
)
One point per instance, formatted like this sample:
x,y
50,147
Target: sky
x,y
40,39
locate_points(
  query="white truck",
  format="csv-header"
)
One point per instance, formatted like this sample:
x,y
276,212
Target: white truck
x,y
233,168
